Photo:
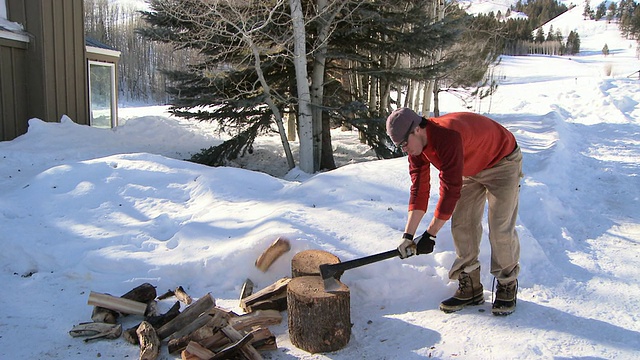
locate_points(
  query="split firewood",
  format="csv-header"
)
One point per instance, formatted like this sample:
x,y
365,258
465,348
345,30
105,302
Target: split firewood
x,y
182,295
119,304
104,315
196,324
185,355
247,350
277,302
231,350
166,295
271,291
200,351
263,340
93,330
131,336
247,289
191,313
149,341
216,341
152,309
142,293
260,318
218,319
273,252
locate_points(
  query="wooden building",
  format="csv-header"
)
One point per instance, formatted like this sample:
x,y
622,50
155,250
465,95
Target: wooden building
x,y
47,67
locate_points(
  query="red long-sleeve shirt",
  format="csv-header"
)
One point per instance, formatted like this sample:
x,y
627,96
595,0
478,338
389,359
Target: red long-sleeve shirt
x,y
458,144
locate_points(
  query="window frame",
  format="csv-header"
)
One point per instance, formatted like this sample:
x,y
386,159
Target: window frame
x,y
113,95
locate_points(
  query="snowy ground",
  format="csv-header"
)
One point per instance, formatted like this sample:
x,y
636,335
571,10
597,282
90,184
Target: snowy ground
x,y
85,209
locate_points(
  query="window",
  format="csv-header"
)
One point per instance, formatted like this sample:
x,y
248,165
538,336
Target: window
x,y
3,9
102,95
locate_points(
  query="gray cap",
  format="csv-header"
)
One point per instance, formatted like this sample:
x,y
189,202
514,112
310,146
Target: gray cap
x,y
400,123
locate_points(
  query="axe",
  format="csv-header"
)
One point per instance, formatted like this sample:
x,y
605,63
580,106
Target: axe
x,y
330,272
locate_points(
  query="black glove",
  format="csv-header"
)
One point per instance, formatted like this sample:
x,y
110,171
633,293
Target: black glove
x,y
407,247
425,243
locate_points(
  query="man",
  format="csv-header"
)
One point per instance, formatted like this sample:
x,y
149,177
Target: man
x,y
479,161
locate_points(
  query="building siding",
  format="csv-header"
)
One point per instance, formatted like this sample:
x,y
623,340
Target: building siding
x,y
12,89
53,68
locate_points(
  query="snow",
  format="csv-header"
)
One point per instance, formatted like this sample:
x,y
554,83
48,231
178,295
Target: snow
x,y
85,209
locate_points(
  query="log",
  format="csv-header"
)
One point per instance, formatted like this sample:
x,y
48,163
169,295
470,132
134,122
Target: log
x,y
271,291
182,295
149,341
248,351
272,253
131,336
185,318
307,262
142,293
122,305
318,321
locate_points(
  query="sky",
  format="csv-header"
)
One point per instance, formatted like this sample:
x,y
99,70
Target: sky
x,y
85,209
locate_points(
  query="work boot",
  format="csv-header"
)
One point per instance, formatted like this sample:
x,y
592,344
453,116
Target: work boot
x,y
469,292
506,297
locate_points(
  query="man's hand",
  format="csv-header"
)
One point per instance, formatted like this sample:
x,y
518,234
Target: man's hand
x,y
426,243
407,247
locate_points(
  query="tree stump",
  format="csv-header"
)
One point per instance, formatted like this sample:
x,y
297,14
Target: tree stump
x,y
318,321
307,262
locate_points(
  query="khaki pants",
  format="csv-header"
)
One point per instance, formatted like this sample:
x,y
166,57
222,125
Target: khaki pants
x,y
500,186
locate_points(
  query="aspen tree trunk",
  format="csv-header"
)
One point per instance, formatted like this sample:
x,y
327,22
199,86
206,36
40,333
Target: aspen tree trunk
x,y
305,117
270,103
438,12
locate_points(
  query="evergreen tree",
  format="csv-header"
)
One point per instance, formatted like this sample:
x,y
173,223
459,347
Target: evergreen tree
x,y
587,13
611,11
539,38
573,43
600,11
551,36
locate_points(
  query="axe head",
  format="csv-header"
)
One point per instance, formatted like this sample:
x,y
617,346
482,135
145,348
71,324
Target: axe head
x,y
330,277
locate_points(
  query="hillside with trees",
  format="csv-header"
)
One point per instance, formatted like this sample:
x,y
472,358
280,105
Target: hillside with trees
x,y
256,67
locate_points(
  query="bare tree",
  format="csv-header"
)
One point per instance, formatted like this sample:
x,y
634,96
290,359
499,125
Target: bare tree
x,y
244,31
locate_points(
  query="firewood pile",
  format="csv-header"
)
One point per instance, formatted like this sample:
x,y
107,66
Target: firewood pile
x,y
202,330
318,321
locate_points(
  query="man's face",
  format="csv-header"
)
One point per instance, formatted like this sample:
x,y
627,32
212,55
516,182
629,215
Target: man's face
x,y
413,144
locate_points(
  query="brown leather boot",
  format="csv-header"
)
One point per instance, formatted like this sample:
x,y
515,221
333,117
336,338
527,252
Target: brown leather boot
x,y
506,298
469,292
